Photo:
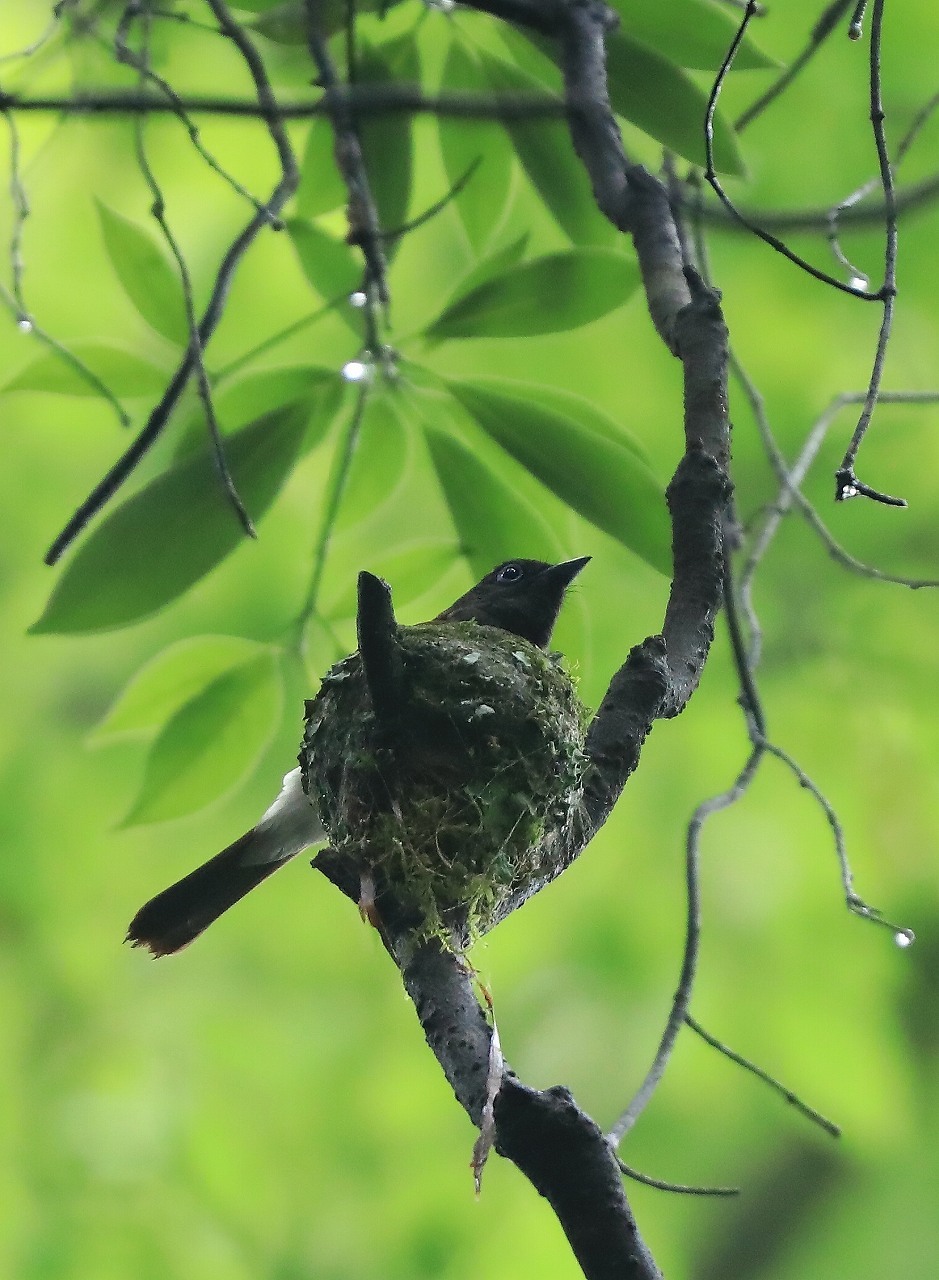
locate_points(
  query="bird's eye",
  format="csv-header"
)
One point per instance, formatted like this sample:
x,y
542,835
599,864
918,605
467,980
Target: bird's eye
x,y
509,573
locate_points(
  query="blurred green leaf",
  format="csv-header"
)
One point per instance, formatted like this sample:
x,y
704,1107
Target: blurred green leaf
x,y
602,480
254,394
146,274
493,265
156,544
690,33
549,295
651,92
546,153
411,571
569,405
285,21
321,186
123,372
211,743
387,140
481,203
378,462
240,400
491,518
168,681
331,266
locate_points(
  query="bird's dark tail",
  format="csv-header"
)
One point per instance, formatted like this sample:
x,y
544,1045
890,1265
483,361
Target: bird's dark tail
x,y
174,917
179,914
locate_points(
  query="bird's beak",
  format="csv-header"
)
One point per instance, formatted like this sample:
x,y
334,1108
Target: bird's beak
x,y
565,572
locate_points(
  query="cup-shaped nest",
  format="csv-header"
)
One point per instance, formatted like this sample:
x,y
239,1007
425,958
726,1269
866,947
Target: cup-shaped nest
x,y
464,801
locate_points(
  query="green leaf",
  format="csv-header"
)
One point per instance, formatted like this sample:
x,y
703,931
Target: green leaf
x,y
602,480
331,266
549,295
267,390
168,681
387,139
569,405
148,278
156,544
491,518
546,153
286,23
377,465
240,400
651,92
281,23
411,571
123,372
211,743
493,265
481,203
691,33
321,187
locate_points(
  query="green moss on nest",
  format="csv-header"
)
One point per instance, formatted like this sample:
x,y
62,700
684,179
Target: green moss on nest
x,y
461,807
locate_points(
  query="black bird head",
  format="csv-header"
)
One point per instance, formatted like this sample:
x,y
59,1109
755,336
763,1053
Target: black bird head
x,y
523,597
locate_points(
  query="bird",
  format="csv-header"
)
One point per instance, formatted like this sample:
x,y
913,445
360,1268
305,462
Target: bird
x,y
521,597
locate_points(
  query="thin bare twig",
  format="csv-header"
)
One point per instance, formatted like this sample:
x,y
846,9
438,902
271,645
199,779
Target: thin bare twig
x,y
682,997
747,658
711,176
284,189
855,904
847,485
363,99
14,298
823,28
790,479
836,215
158,210
364,225
793,1099
184,19
53,25
20,202
856,28
677,1187
126,55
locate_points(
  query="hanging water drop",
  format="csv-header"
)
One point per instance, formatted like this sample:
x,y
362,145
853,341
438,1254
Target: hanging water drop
x,y
904,938
24,324
358,298
355,371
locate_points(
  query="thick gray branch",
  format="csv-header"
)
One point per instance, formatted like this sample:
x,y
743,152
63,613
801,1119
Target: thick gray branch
x,y
554,1143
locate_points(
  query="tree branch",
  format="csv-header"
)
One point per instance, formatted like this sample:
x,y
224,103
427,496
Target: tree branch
x,y
363,99
555,1144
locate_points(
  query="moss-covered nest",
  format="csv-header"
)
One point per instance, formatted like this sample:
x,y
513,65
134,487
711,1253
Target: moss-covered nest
x,y
463,802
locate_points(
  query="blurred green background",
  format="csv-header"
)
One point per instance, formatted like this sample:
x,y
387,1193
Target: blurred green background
x,y
263,1105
